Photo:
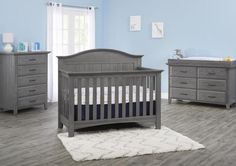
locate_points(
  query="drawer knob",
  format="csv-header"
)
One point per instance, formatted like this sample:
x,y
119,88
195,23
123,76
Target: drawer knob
x,y
31,60
212,85
211,73
32,101
184,83
32,80
184,94
211,97
31,70
33,90
183,71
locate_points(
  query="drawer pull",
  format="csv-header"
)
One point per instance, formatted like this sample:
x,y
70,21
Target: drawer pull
x,y
33,90
32,80
31,60
211,97
31,70
212,85
184,83
184,94
211,73
183,71
32,101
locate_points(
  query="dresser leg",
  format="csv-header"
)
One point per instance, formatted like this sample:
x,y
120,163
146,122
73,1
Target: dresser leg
x,y
227,106
15,111
45,106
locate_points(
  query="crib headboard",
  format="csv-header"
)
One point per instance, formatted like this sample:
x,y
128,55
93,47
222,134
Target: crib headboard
x,y
100,60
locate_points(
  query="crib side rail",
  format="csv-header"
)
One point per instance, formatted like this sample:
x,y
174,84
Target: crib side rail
x,y
113,90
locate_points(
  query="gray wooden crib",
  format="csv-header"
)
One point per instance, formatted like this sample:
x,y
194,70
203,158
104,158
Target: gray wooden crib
x,y
105,86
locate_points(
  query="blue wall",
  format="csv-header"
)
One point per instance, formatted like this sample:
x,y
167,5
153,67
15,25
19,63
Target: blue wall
x,y
27,19
199,27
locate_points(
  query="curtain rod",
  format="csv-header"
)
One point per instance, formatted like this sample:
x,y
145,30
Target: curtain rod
x,y
81,7
71,6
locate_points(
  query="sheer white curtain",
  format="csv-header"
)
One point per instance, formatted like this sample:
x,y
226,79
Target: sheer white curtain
x,y
69,30
54,44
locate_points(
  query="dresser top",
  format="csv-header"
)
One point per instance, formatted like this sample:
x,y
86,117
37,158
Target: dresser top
x,y
25,53
202,63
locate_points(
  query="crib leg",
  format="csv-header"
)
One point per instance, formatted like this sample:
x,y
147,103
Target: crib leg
x,y
60,125
71,132
157,125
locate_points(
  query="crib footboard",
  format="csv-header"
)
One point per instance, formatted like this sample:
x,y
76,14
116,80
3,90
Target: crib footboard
x,y
96,99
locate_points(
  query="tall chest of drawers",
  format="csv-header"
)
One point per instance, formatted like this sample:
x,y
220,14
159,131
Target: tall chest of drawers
x,y
203,81
23,80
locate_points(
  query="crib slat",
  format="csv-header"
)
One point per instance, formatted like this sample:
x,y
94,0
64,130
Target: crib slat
x,y
130,97
71,107
151,95
137,96
158,101
116,97
102,97
60,100
144,82
94,98
123,97
109,97
79,99
87,99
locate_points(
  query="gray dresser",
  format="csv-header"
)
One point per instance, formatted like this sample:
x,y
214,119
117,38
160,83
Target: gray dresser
x,y
202,81
23,80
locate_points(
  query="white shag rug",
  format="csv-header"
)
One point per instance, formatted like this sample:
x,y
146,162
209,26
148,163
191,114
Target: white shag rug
x,y
125,143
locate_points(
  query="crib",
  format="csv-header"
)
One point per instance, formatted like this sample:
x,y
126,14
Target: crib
x,y
106,86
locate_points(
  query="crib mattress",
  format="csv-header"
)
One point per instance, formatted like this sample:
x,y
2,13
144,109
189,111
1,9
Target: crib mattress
x,y
98,97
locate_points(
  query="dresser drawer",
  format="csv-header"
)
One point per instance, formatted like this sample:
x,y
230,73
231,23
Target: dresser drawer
x,y
211,96
31,59
32,80
31,69
180,82
33,100
204,72
208,84
32,90
183,71
179,93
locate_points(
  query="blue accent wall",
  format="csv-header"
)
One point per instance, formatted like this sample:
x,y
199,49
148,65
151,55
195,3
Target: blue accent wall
x,y
199,27
27,19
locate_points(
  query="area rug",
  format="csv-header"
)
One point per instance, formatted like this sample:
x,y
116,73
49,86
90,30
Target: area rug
x,y
125,143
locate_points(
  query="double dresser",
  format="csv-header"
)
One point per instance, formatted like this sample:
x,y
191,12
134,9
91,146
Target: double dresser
x,y
23,80
203,81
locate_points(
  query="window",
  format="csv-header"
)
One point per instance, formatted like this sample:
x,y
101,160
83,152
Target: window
x,y
77,30
69,30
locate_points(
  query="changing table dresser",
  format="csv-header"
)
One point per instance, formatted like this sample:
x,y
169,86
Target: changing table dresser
x,y
205,81
23,80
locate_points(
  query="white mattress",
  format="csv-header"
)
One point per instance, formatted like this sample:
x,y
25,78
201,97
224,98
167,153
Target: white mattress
x,y
112,94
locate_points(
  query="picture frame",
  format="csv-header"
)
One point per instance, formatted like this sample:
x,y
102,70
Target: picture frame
x,y
157,29
135,23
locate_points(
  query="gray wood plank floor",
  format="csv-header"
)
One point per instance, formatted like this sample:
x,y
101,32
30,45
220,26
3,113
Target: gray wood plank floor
x,y
30,138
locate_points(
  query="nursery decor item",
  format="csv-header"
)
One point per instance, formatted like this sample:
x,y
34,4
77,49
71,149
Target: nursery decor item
x,y
7,39
135,23
35,46
23,47
157,30
125,143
